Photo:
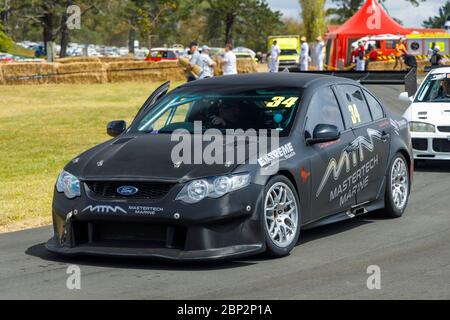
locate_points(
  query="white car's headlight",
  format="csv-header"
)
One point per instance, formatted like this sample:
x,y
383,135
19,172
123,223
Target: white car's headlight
x,y
214,187
415,126
69,184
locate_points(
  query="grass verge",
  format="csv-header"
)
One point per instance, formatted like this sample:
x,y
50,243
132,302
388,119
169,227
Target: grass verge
x,y
42,128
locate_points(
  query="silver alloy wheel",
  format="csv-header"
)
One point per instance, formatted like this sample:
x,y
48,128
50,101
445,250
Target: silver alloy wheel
x,y
281,214
399,183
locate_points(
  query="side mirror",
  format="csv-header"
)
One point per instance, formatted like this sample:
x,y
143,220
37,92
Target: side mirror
x,y
324,133
404,97
115,128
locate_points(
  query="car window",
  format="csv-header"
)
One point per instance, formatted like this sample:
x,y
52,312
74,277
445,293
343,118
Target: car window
x,y
355,109
223,108
375,107
324,109
436,88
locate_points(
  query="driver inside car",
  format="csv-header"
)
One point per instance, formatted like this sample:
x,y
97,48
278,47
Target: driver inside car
x,y
232,116
444,90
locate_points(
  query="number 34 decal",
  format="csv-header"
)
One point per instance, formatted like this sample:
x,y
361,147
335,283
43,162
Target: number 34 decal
x,y
282,101
356,118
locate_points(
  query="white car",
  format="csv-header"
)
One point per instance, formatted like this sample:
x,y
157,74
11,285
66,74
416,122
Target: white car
x,y
429,116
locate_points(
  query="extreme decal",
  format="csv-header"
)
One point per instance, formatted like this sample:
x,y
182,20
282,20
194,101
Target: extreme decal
x,y
284,152
352,155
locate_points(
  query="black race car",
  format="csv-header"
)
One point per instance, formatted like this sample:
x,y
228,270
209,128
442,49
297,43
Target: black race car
x,y
168,186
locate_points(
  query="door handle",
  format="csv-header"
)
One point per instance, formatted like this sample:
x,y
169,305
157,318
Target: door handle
x,y
385,137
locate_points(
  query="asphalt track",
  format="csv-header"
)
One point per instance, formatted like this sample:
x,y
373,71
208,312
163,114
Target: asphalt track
x,y
330,262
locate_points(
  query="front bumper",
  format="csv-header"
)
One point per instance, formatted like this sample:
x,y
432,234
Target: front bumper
x,y
431,146
213,229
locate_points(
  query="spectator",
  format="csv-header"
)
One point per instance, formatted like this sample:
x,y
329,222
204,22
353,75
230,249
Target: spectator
x,y
274,57
320,53
400,52
360,59
194,60
229,61
373,56
206,63
304,55
436,58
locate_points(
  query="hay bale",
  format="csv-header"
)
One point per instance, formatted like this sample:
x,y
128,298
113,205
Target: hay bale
x,y
29,73
194,69
247,65
82,78
78,59
147,75
81,67
117,59
1,75
25,69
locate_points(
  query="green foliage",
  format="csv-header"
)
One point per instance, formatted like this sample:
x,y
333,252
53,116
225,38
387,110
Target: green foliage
x,y
243,22
439,20
5,42
313,16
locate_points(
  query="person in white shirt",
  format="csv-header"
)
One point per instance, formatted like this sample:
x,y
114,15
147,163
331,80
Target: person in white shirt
x,y
320,53
229,61
304,55
206,63
194,59
274,57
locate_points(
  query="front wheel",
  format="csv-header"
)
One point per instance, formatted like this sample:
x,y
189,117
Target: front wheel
x,y
281,216
397,187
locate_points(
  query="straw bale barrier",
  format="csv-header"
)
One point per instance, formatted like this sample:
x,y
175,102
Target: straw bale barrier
x,y
247,65
97,70
145,71
2,81
81,78
28,73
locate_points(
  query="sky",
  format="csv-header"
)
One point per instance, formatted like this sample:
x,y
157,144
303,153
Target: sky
x,y
401,9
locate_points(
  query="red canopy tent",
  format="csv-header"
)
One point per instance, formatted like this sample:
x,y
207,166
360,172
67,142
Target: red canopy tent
x,y
371,19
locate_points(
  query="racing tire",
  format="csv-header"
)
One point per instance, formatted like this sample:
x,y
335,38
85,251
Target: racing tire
x,y
280,216
398,187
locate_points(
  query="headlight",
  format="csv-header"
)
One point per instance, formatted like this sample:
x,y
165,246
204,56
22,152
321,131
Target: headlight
x,y
69,184
214,187
421,127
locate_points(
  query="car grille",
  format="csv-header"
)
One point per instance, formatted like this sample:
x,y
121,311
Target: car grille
x,y
285,62
420,144
152,191
441,145
128,234
444,129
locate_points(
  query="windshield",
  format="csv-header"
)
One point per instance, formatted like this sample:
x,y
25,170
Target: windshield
x,y
289,52
254,109
435,89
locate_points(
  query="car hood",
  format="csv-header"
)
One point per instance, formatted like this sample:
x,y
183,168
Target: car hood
x,y
434,113
141,157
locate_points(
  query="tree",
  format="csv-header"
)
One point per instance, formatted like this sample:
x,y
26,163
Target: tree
x,y
313,17
5,42
439,20
249,21
345,9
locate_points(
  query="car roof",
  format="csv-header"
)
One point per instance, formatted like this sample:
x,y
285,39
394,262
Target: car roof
x,y
440,70
281,79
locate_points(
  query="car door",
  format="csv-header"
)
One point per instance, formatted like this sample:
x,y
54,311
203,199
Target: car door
x,y
371,146
330,162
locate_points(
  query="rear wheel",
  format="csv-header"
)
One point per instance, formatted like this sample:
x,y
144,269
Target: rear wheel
x,y
397,187
281,216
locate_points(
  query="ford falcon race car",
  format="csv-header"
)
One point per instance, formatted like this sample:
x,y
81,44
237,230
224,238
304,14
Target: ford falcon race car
x,y
313,150
429,116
